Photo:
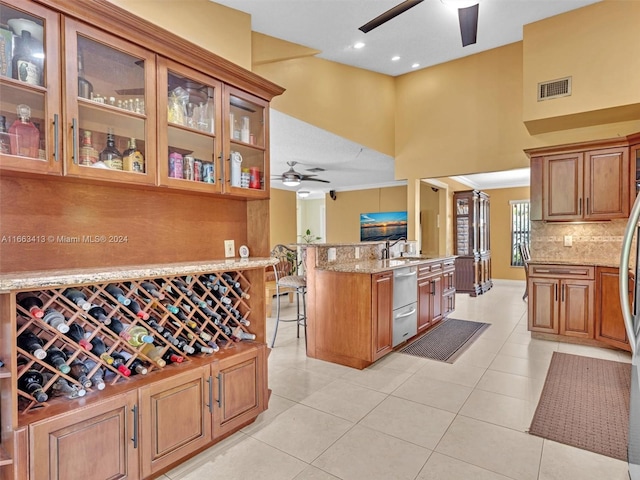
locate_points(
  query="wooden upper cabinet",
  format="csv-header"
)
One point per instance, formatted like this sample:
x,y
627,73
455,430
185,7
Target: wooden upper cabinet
x,y
110,93
589,182
190,126
32,144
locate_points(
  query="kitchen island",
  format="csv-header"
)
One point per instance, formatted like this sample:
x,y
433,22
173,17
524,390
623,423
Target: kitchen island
x,y
351,316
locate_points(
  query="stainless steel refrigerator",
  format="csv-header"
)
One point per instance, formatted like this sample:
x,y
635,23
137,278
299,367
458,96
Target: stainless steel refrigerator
x,y
629,258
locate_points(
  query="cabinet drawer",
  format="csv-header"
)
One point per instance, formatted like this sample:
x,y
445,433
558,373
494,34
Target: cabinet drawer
x,y
405,323
563,271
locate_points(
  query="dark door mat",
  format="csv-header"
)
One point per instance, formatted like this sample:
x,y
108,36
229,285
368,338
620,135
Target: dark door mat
x,y
446,341
585,404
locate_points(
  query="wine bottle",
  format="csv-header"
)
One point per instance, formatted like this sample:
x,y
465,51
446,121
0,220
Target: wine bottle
x,y
100,349
136,366
137,335
119,362
110,155
119,328
85,89
218,293
135,308
180,285
57,358
213,345
88,154
77,334
183,344
238,335
24,65
32,382
153,353
186,320
153,323
97,378
118,294
206,350
153,291
132,158
56,320
29,342
62,388
171,357
99,314
77,297
23,134
241,293
80,372
224,328
31,303
170,338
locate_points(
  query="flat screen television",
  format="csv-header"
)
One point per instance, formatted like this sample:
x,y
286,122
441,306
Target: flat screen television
x,y
381,226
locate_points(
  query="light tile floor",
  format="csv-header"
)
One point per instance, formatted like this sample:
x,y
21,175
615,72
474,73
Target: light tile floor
x,y
407,417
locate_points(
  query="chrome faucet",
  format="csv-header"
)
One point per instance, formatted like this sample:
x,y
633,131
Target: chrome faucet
x,y
388,245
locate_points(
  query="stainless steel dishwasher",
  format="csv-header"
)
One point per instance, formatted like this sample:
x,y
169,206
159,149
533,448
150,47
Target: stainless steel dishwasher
x,y
405,309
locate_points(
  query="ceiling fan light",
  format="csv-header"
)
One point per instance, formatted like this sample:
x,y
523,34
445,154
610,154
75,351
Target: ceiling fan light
x,y
303,193
291,182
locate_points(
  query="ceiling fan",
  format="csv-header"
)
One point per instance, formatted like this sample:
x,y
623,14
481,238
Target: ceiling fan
x,y
291,178
468,17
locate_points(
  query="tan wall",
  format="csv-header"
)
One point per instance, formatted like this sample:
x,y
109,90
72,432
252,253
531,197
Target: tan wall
x,y
222,30
350,102
282,217
343,213
500,225
429,211
597,46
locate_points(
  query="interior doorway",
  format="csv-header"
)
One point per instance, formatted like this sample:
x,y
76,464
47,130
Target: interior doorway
x,y
311,215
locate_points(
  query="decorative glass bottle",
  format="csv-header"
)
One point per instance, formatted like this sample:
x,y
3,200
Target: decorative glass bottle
x,y
25,137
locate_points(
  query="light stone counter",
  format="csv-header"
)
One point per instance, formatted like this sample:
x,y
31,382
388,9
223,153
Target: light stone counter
x,y
59,278
376,266
590,262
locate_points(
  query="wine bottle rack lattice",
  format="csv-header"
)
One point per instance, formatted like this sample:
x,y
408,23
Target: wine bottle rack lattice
x,y
167,320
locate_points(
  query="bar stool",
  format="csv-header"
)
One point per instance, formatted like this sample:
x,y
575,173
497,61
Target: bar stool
x,y
525,254
288,280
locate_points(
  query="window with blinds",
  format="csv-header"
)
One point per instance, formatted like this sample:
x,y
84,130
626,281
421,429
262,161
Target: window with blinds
x,y
520,229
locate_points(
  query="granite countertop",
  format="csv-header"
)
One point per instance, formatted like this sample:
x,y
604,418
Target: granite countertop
x,y
591,262
59,278
377,266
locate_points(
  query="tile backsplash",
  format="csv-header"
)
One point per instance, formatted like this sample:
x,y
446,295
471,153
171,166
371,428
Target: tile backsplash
x,y
601,240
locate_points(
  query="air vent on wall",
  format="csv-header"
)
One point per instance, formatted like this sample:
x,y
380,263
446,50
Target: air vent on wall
x,y
554,89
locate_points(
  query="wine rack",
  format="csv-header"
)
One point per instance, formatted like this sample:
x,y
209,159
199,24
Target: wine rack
x,y
186,316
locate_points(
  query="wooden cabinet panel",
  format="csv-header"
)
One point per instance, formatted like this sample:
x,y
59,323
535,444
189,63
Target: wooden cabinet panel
x,y
424,303
606,185
543,305
563,186
576,308
382,313
609,324
241,389
96,442
175,419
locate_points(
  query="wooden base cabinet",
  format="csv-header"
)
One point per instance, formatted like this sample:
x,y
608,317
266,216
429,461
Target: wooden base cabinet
x,y
99,442
382,313
175,419
448,287
561,300
430,300
609,327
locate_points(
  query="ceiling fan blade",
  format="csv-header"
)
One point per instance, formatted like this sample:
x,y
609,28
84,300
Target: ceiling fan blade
x,y
315,180
468,24
389,14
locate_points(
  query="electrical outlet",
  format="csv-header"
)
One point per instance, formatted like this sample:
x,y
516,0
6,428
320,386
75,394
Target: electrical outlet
x,y
229,248
568,240
357,252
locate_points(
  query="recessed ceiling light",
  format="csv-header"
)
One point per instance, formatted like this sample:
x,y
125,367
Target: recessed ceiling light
x,y
415,65
358,45
395,59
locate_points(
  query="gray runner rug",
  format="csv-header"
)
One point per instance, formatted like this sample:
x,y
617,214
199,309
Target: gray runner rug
x,y
446,341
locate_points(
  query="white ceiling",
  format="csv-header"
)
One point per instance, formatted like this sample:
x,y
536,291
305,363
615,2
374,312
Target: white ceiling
x,y
427,34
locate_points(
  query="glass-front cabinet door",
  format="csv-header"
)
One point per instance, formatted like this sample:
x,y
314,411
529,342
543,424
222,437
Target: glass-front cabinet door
x,y
462,233
29,88
189,111
245,153
110,100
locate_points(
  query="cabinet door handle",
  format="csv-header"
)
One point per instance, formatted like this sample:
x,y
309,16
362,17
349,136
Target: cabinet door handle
x,y
588,206
219,377
433,287
222,162
403,315
556,291
210,404
562,292
410,274
56,139
135,426
74,133
580,206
